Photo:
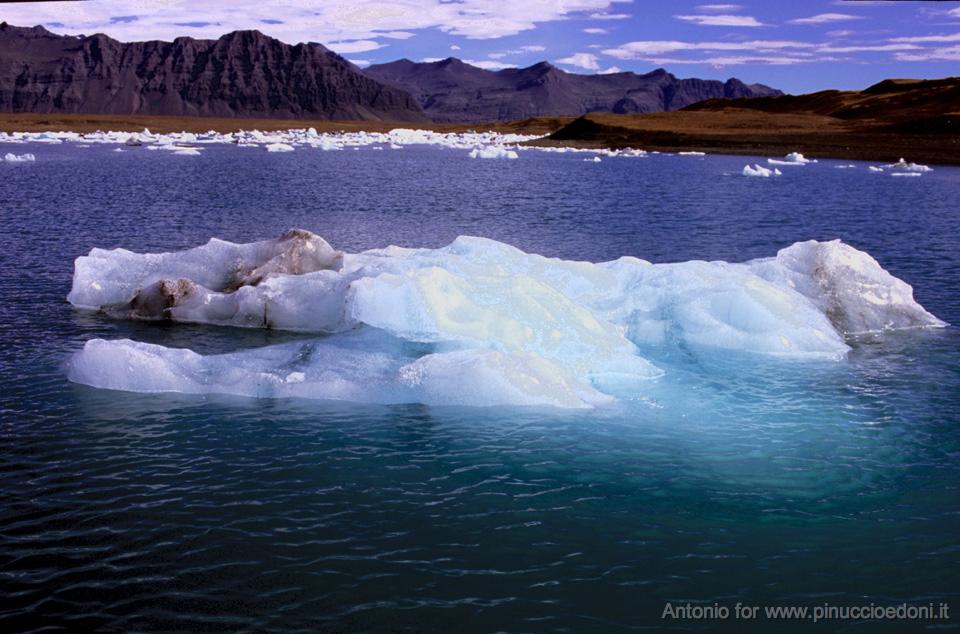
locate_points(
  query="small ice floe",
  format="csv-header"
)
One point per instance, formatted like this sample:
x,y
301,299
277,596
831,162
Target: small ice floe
x,y
903,166
187,151
19,158
595,159
794,158
760,171
906,174
874,168
691,153
119,149
394,146
279,147
493,152
844,167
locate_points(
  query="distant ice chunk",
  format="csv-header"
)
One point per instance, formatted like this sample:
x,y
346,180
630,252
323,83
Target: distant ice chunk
x,y
691,153
760,171
9,157
595,159
904,166
875,169
279,147
493,152
906,174
794,158
187,151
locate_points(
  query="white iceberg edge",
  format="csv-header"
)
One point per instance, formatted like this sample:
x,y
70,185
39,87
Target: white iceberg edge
x,y
477,322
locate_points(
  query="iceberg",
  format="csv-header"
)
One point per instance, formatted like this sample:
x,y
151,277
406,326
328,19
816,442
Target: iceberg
x,y
495,152
19,158
477,322
794,158
760,171
904,166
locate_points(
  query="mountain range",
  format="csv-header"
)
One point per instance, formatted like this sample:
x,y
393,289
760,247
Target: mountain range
x,y
451,91
248,74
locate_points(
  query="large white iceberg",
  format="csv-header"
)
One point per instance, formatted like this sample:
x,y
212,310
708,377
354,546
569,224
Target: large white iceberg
x,y
476,322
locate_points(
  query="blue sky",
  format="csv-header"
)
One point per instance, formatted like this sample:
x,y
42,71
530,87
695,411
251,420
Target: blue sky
x,y
795,46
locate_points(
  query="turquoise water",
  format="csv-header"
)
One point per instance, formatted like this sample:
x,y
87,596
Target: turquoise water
x,y
742,479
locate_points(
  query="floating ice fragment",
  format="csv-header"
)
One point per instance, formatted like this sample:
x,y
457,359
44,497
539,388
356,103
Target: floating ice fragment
x,y
759,171
477,322
691,153
19,158
279,147
902,165
493,152
906,174
875,169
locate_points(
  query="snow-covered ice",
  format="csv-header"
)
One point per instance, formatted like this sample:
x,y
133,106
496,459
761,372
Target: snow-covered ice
x,y
279,147
875,169
477,322
493,152
794,158
760,171
903,165
9,157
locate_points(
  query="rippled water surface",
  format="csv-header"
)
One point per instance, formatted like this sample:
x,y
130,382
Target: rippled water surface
x,y
742,479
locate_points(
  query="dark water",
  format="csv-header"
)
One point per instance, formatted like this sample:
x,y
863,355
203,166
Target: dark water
x,y
754,481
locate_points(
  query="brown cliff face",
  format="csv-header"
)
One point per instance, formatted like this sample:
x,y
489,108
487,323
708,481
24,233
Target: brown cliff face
x,y
455,92
242,74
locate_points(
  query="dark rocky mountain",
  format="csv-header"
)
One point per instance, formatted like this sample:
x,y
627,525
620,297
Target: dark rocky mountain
x,y
242,74
453,91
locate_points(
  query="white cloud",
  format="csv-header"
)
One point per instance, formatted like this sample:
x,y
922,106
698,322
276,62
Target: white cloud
x,y
868,48
719,8
304,20
487,64
721,20
609,16
932,39
595,31
362,63
611,70
354,46
588,61
454,47
826,18
947,54
645,49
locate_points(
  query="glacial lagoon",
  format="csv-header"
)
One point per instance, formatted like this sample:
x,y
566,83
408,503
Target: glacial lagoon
x,y
686,456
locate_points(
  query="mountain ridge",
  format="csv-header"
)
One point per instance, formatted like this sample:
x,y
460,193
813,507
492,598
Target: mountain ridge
x,y
247,74
241,74
453,91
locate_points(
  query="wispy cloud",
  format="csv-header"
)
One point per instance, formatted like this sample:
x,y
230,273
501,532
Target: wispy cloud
x,y
721,20
307,20
826,18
